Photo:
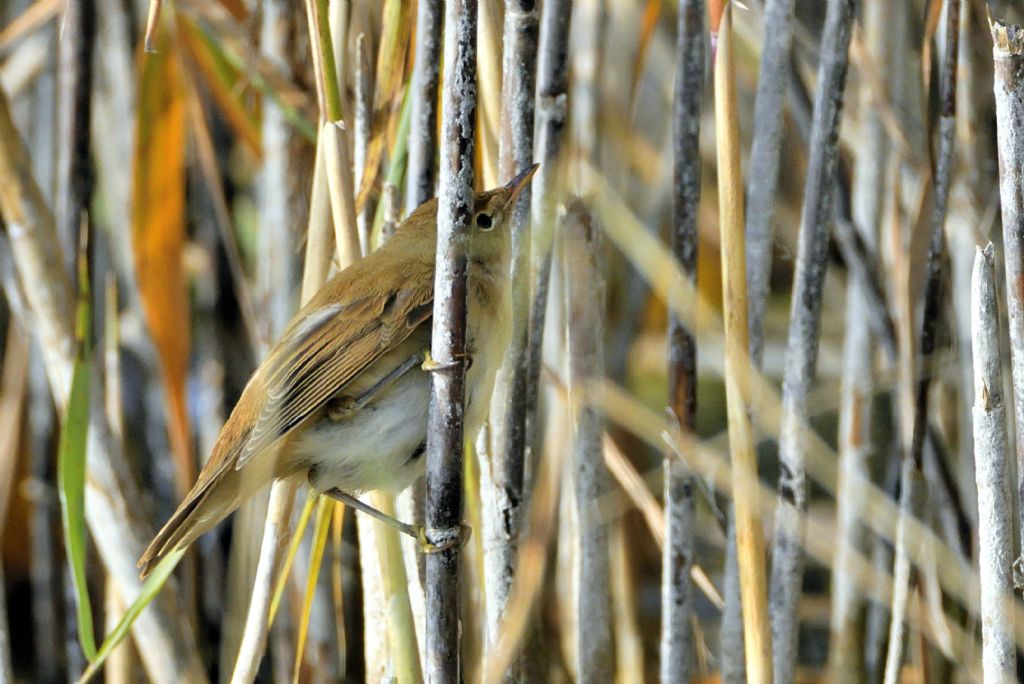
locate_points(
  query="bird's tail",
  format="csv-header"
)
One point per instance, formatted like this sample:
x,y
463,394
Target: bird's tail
x,y
196,514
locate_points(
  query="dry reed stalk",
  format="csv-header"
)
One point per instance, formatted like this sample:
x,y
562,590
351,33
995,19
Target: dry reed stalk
x,y
881,514
763,173
802,344
680,511
362,113
705,459
769,107
551,116
448,342
422,172
503,446
584,306
995,503
749,534
74,168
405,654
1008,82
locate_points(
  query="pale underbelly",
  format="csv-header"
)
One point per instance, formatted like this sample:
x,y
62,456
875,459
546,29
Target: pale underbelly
x,y
382,445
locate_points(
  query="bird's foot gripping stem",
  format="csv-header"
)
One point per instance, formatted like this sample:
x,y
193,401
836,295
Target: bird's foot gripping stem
x,y
417,532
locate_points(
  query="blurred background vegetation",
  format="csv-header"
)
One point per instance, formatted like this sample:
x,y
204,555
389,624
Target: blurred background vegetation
x,y
193,170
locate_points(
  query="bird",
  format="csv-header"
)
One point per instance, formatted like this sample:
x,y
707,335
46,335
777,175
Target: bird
x,y
342,397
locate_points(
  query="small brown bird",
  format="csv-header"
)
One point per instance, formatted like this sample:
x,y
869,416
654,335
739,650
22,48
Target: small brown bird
x,y
342,397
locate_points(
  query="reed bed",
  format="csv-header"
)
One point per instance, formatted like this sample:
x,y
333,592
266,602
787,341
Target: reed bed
x,y
761,415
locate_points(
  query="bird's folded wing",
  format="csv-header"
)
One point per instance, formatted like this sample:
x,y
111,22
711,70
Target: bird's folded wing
x,y
327,346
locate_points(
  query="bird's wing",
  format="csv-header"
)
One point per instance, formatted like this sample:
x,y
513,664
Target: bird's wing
x,y
329,344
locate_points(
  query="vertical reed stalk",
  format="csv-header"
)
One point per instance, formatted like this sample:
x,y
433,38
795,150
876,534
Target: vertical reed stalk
x,y
802,346
448,343
995,503
1008,82
763,173
422,174
501,459
552,114
680,525
769,106
74,169
584,305
749,534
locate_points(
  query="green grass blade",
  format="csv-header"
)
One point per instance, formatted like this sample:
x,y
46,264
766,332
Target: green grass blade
x,y
71,455
71,484
150,588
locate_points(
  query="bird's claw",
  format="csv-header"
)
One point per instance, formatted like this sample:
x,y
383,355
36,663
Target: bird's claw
x,y
340,407
432,366
427,547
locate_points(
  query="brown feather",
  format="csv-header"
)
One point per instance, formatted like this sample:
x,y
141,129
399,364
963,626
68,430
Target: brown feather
x,y
374,305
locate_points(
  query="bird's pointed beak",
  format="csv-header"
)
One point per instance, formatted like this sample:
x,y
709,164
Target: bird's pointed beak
x,y
522,179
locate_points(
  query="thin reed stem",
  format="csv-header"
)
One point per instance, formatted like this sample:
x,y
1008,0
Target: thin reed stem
x,y
422,174
448,343
1008,82
502,458
584,305
680,512
738,370
995,503
802,344
551,114
763,172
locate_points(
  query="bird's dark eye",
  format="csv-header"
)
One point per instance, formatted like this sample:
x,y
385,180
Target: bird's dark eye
x,y
484,221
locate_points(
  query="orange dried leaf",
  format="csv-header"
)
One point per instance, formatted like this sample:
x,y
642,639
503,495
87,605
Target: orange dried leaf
x,y
158,235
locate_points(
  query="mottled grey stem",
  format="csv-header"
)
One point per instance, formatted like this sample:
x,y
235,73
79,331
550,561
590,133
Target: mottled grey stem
x,y
502,460
422,174
1008,82
551,113
730,636
802,346
677,556
911,489
763,170
584,305
448,343
995,504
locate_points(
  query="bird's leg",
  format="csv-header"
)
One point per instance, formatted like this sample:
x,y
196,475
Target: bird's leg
x,y
341,407
417,532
